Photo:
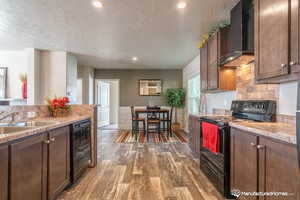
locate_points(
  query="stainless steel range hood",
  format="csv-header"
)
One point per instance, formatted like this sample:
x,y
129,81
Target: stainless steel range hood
x,y
241,35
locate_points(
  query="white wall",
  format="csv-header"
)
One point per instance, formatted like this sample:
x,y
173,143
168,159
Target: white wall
x,y
16,62
114,101
219,100
53,74
288,98
86,74
191,70
72,77
34,78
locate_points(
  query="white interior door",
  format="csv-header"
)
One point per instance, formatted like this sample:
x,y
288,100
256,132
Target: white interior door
x,y
103,92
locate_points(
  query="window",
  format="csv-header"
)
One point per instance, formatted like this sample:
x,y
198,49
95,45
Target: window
x,y
194,94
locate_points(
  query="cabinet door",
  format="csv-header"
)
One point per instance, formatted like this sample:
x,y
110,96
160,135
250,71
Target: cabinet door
x,y
3,172
243,169
190,134
278,168
272,38
213,49
203,67
28,177
59,161
295,41
213,77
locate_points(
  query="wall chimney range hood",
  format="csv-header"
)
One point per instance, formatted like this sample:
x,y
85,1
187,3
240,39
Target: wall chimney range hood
x,y
241,36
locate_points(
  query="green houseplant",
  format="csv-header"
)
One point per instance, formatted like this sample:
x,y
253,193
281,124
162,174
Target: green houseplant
x,y
175,98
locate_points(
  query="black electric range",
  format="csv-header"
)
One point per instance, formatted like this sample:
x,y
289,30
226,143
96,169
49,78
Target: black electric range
x,y
216,166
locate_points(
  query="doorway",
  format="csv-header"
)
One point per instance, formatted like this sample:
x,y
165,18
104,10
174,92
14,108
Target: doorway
x,y
107,99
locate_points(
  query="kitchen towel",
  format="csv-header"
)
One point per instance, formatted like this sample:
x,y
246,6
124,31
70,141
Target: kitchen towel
x,y
211,137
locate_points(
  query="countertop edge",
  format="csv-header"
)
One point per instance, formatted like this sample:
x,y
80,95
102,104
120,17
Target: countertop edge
x,y
281,136
31,132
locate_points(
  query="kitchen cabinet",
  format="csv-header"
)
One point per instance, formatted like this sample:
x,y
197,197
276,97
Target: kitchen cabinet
x,y
216,78
276,41
260,164
243,171
4,172
194,135
203,67
58,161
40,165
28,169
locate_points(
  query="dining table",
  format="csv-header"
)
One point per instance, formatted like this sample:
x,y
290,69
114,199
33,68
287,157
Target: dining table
x,y
164,112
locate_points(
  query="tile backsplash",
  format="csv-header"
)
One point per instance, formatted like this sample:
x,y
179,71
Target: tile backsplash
x,y
247,89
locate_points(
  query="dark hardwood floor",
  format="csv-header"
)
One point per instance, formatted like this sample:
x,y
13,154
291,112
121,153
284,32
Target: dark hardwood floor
x,y
142,171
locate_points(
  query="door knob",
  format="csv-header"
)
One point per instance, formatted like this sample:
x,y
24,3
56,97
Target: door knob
x,y
283,65
52,139
293,63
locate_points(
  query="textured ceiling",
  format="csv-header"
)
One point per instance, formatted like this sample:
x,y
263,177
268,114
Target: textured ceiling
x,y
155,31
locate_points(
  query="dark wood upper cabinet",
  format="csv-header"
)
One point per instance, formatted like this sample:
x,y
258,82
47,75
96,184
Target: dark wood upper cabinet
x,y
4,172
295,40
260,164
243,158
203,67
58,161
213,78
28,176
276,40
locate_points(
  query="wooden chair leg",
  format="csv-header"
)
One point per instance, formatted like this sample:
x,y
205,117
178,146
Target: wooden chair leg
x,y
158,131
147,132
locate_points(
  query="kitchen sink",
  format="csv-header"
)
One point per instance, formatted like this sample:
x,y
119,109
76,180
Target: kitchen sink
x,y
29,124
35,123
13,129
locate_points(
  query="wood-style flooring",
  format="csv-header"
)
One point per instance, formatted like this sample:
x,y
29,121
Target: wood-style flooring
x,y
142,172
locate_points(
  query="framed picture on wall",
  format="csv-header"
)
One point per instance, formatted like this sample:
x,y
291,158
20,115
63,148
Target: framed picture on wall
x,y
150,87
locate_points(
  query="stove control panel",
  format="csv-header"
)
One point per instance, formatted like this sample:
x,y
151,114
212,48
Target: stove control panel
x,y
260,110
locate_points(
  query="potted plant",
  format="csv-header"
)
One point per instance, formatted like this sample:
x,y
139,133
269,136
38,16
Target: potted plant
x,y
175,98
59,106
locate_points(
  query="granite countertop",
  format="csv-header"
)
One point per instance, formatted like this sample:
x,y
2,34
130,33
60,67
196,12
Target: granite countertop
x,y
60,122
276,130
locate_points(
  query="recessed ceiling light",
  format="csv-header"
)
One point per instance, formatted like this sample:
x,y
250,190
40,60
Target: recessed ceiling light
x,y
97,4
134,58
181,5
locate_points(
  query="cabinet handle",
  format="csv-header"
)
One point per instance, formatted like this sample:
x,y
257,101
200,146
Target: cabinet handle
x,y
47,141
253,144
260,146
283,65
293,63
52,139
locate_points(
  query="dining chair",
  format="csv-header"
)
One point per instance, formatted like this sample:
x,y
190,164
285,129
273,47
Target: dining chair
x,y
168,122
153,120
136,123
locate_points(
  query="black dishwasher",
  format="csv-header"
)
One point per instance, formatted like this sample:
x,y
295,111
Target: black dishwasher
x,y
80,143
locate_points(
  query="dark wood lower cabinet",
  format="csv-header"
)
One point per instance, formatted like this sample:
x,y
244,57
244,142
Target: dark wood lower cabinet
x,y
39,166
243,161
4,172
28,169
194,134
278,169
58,161
260,164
